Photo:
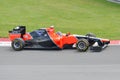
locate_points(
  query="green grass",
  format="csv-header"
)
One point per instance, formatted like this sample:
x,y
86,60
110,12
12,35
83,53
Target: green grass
x,y
76,16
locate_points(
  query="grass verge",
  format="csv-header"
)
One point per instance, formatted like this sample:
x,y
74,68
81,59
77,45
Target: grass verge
x,y
76,16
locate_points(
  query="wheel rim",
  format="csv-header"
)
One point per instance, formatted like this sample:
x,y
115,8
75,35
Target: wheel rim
x,y
81,45
16,44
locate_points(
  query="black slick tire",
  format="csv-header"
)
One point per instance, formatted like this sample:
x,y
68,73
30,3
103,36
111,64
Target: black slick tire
x,y
90,35
82,45
18,44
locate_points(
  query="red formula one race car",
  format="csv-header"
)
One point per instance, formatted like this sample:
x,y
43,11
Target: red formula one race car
x,y
47,38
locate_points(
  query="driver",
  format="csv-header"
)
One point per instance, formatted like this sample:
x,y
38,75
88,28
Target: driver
x,y
51,29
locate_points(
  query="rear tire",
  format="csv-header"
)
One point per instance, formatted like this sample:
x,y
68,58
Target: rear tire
x,y
82,45
18,44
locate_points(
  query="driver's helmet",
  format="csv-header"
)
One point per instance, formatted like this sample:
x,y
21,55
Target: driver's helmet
x,y
50,29
52,26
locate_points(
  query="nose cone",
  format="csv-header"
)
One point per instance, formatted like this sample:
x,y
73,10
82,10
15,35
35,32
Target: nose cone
x,y
105,41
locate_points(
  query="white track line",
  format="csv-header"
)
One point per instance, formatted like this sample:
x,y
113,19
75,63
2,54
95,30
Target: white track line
x,y
8,43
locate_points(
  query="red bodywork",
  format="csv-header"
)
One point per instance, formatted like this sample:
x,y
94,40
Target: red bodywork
x,y
25,37
59,40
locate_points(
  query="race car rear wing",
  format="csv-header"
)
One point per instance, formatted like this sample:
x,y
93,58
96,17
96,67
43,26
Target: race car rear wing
x,y
19,30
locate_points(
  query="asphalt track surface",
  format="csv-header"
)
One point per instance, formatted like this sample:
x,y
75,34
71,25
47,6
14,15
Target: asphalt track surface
x,y
59,64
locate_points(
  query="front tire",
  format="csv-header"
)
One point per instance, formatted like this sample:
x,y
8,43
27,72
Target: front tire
x,y
82,45
90,35
18,44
